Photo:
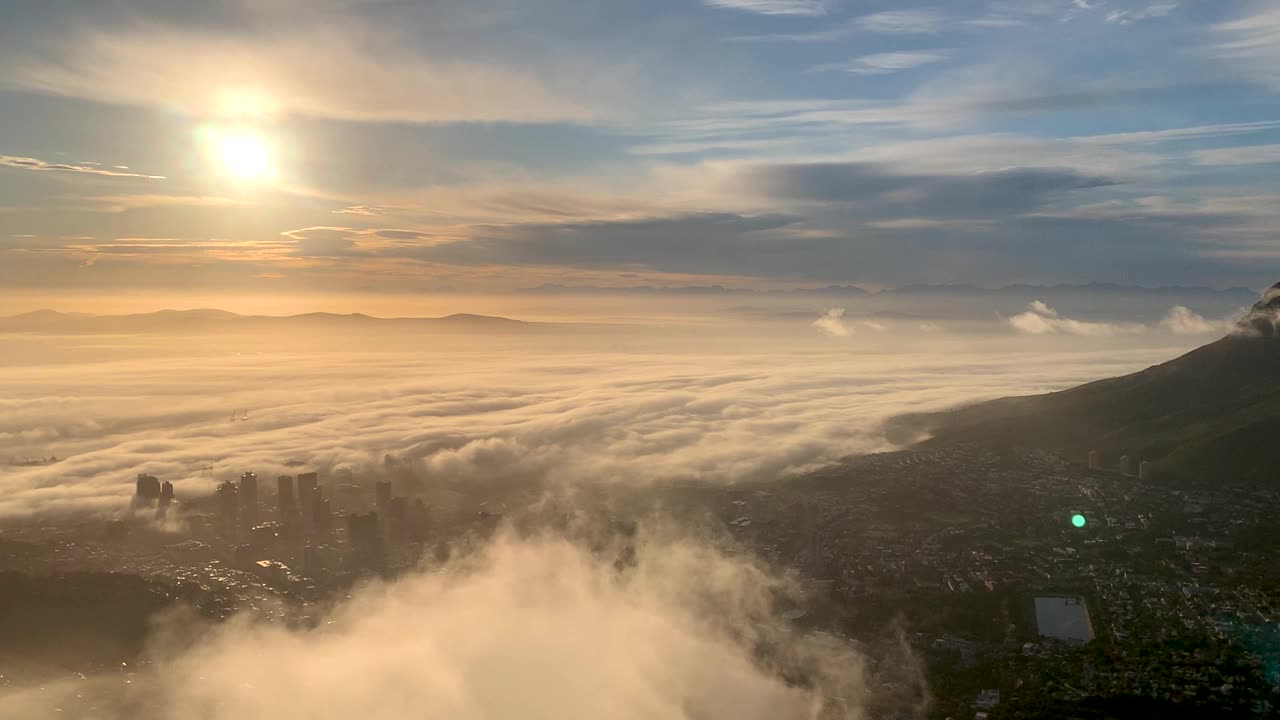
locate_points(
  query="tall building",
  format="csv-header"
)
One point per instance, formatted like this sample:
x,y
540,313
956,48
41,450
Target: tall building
x,y
382,495
308,492
288,507
418,520
165,500
367,551
1126,465
312,562
1095,460
1144,470
249,499
148,491
228,508
397,518
321,513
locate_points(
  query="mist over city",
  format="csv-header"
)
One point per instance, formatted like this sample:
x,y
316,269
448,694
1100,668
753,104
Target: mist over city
x,y
688,359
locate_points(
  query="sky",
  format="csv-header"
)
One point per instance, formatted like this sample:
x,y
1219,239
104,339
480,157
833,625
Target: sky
x,y
299,149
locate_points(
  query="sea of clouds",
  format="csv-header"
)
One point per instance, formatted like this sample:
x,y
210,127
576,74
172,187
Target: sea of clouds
x,y
625,407
530,626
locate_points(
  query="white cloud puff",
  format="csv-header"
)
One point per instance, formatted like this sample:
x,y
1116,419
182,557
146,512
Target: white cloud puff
x,y
832,323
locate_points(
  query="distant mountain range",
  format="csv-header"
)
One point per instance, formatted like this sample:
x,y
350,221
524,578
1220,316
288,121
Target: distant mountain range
x,y
191,321
1211,416
1239,294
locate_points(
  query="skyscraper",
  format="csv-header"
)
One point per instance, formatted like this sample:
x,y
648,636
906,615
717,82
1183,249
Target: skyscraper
x,y
418,520
382,495
285,499
1126,465
249,499
367,550
166,499
308,490
321,513
228,508
148,491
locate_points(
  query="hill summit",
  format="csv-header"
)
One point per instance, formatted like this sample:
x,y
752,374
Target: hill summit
x,y
1211,416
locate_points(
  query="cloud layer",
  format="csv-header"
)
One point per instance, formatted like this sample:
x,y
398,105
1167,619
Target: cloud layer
x,y
600,407
530,628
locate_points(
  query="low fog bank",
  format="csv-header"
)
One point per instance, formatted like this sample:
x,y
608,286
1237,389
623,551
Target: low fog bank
x,y
622,407
649,626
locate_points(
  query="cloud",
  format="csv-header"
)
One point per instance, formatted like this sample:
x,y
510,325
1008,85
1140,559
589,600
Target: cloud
x,y
1253,44
924,21
881,190
832,323
321,241
1242,155
774,7
902,22
995,21
1040,319
698,242
1175,134
536,628
123,203
1182,321
361,210
361,74
884,63
26,163
1154,10
568,407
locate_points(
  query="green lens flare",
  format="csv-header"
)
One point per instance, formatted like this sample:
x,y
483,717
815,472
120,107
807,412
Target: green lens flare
x,y
1077,520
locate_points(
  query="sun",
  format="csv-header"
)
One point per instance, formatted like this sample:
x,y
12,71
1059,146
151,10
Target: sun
x,y
245,155
239,152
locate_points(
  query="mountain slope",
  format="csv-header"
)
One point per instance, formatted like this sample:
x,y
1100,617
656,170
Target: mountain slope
x,y
1211,415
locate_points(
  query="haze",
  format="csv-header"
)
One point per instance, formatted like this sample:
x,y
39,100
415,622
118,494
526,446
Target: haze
x,y
497,358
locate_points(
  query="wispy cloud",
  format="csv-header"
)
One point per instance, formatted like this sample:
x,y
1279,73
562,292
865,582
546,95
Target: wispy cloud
x,y
995,21
774,7
122,203
902,22
1154,10
1253,44
1246,155
362,210
885,63
26,163
333,73
890,22
1186,133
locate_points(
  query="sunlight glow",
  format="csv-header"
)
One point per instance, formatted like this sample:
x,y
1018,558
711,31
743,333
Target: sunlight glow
x,y
244,155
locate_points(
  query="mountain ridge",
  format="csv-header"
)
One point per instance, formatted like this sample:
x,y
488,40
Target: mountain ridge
x,y
1210,415
46,320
